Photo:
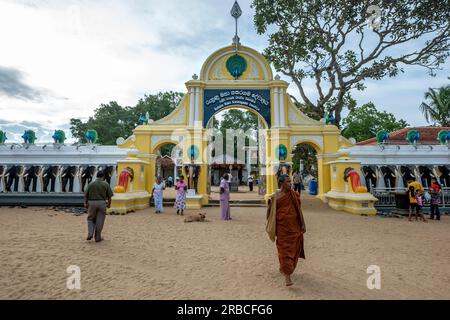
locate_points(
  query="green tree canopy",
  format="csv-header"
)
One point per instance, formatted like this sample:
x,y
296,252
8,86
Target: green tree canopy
x,y
308,155
112,120
239,119
437,110
364,122
236,119
333,46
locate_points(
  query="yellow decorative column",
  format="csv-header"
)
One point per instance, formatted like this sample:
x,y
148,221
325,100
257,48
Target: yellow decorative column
x,y
342,196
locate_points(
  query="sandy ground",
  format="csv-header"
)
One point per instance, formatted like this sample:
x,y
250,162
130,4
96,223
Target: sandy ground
x,y
148,256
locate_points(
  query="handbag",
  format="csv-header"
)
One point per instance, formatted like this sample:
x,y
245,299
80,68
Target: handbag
x,y
271,222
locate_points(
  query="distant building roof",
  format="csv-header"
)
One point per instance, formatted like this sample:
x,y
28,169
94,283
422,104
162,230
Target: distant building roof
x,y
428,136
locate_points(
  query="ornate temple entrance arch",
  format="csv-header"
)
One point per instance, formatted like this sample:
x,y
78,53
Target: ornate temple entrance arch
x,y
234,76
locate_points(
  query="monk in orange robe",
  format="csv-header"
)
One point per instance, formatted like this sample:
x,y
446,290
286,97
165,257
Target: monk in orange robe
x,y
290,227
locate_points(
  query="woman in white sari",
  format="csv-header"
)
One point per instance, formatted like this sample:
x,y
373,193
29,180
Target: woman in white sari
x,y
157,193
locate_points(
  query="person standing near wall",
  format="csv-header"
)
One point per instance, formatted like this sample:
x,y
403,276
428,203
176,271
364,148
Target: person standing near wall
x,y
225,198
435,192
250,182
97,198
297,181
157,193
415,192
180,198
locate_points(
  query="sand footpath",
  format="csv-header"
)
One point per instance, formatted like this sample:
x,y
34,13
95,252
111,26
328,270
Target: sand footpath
x,y
148,256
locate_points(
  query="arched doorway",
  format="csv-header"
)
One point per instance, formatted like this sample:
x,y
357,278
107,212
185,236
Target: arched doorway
x,y
168,163
236,145
304,163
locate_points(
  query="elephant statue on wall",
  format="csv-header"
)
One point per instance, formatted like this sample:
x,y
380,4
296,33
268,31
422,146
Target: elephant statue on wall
x,y
68,176
192,174
370,177
108,170
87,174
407,174
49,176
2,178
389,176
31,177
12,178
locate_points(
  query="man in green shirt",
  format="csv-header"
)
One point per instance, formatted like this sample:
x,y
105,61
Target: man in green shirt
x,y
97,198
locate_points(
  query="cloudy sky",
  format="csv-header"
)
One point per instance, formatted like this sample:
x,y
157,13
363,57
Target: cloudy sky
x,y
62,59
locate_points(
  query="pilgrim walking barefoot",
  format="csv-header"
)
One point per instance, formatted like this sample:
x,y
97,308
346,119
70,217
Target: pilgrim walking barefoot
x,y
286,224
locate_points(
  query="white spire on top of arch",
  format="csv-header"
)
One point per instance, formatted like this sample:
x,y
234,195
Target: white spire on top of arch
x,y
236,12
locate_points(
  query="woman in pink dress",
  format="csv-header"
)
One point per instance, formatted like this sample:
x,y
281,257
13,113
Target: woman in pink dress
x,y
225,198
180,199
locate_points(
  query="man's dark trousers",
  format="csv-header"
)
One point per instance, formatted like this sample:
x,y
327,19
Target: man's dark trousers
x,y
96,218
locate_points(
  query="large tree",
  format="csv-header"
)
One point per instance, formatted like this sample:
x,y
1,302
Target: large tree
x,y
330,47
437,107
364,122
112,120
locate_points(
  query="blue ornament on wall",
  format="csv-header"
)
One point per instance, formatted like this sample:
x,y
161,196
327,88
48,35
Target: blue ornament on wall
x,y
281,152
382,137
194,152
236,65
413,136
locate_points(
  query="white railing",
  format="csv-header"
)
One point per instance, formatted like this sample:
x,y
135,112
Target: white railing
x,y
386,197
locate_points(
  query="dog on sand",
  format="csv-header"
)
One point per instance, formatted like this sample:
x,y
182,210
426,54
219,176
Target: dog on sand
x,y
196,218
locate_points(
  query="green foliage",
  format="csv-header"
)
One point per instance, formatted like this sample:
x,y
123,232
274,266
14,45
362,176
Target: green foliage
x,y
308,155
366,121
329,46
437,110
239,119
112,120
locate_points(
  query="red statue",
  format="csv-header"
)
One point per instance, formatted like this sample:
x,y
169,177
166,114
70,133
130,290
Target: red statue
x,y
355,180
125,175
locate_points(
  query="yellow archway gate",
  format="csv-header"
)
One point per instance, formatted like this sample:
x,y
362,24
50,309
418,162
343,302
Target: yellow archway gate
x,y
239,77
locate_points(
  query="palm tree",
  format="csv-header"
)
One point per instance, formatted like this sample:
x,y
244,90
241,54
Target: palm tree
x,y
438,109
